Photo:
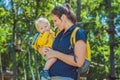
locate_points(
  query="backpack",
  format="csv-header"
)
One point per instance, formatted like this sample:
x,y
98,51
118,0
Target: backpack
x,y
85,67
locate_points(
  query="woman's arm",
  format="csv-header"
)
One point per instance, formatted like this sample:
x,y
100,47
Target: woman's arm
x,y
79,51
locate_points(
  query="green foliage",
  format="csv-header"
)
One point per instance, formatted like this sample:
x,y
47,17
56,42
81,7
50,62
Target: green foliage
x,y
4,42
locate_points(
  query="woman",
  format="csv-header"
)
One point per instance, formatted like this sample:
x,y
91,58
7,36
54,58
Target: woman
x,y
68,58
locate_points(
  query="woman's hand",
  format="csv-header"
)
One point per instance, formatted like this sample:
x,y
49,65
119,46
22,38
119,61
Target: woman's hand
x,y
50,53
42,51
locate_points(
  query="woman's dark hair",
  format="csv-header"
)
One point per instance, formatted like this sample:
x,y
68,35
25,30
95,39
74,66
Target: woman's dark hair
x,y
65,9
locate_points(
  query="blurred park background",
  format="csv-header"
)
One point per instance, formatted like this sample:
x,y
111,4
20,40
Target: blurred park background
x,y
99,18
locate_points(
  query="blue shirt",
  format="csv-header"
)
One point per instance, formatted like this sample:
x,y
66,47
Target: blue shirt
x,y
62,44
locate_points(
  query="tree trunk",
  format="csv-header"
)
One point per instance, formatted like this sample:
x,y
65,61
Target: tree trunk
x,y
78,11
67,1
13,40
35,56
111,32
1,71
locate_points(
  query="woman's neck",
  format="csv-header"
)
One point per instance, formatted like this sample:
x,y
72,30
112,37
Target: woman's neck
x,y
67,26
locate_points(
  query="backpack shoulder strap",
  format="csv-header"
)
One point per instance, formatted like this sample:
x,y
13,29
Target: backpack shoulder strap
x,y
73,40
73,36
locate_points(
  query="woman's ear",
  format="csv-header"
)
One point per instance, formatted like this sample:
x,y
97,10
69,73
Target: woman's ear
x,y
63,17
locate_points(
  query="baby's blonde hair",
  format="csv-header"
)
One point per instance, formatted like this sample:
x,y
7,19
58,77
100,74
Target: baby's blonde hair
x,y
41,20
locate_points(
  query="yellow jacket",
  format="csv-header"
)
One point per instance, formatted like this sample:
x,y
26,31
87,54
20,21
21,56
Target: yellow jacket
x,y
45,39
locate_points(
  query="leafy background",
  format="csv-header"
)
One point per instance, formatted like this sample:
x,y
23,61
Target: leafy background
x,y
100,19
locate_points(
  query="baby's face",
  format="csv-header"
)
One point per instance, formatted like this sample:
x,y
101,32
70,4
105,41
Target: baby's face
x,y
43,27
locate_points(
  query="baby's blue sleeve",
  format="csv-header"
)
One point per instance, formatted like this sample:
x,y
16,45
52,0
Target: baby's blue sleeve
x,y
35,36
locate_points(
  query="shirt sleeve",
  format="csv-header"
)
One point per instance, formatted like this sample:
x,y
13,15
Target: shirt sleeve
x,y
34,41
81,35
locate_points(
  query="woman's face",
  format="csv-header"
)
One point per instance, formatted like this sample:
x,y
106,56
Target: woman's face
x,y
57,22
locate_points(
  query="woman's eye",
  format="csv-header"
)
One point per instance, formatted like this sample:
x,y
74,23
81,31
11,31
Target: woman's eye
x,y
45,26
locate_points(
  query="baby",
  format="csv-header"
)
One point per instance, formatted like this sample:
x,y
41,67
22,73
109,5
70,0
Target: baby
x,y
44,38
